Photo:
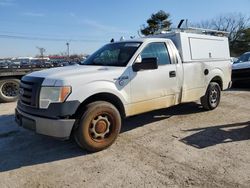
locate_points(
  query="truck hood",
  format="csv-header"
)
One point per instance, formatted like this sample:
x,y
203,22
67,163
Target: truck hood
x,y
81,73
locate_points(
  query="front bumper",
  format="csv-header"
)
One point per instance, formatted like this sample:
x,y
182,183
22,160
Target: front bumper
x,y
59,128
241,75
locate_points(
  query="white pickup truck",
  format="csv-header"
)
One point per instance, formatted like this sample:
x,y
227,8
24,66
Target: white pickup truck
x,y
123,79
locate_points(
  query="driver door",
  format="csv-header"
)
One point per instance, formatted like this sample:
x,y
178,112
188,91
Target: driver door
x,y
154,89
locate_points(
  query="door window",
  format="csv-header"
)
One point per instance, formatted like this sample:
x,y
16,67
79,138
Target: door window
x,y
157,50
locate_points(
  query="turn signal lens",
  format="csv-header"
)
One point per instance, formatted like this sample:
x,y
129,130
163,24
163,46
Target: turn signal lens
x,y
65,92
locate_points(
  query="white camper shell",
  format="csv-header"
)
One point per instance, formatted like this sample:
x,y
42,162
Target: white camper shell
x,y
199,47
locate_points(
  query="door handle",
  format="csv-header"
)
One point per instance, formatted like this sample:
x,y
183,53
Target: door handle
x,y
172,74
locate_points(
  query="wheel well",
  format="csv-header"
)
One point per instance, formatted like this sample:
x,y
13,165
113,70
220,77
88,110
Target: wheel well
x,y
218,80
108,97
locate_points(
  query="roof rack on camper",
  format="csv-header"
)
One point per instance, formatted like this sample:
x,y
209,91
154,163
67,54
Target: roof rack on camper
x,y
196,30
193,30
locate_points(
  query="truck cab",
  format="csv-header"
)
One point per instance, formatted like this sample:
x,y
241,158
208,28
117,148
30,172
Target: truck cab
x,y
123,79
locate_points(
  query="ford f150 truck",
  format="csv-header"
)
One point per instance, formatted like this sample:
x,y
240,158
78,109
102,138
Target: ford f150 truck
x,y
123,79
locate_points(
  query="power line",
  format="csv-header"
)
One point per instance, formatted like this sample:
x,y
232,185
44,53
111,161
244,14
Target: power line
x,y
58,35
48,38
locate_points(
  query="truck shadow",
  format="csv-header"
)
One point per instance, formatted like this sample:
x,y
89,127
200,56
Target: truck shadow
x,y
214,135
20,147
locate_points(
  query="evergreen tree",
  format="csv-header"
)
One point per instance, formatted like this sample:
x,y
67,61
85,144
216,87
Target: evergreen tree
x,y
157,21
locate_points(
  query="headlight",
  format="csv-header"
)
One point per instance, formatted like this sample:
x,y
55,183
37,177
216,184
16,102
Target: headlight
x,y
53,95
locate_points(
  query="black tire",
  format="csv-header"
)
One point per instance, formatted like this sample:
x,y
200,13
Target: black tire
x,y
98,127
211,99
9,90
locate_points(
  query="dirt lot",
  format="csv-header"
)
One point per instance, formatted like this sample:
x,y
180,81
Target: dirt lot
x,y
182,146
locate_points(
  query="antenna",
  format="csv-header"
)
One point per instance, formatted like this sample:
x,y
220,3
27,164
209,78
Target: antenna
x,y
181,22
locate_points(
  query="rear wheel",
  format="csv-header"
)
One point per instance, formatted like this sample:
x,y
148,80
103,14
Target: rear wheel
x,y
9,90
212,97
99,126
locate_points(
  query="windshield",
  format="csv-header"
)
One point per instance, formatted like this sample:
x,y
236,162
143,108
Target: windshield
x,y
113,54
243,58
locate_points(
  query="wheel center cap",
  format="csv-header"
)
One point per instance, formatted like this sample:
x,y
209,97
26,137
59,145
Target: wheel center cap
x,y
101,126
214,96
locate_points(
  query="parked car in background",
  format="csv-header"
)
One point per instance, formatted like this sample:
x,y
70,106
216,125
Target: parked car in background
x,y
241,69
4,64
73,63
13,65
8,64
41,64
37,63
16,63
57,63
68,63
48,64
25,64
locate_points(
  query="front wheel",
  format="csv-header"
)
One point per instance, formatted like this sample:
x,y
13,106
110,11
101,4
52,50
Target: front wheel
x,y
212,97
98,127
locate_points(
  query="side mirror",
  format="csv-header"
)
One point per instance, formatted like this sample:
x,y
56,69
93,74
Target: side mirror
x,y
146,64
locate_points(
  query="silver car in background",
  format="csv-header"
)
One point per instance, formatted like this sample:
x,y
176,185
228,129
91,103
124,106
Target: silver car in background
x,y
241,69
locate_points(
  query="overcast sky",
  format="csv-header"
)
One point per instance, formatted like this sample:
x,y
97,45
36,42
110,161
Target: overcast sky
x,y
87,25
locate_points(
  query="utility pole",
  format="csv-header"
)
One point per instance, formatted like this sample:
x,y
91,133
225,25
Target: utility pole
x,y
41,50
67,48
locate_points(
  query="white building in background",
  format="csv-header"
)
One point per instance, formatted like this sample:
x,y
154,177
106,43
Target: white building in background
x,y
29,59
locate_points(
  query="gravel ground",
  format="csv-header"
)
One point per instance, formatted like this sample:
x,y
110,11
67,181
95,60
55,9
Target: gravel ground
x,y
182,146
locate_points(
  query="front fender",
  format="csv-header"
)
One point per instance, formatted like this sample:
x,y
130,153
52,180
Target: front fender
x,y
82,92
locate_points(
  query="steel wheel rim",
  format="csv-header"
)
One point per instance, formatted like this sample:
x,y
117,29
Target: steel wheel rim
x,y
10,89
214,96
100,128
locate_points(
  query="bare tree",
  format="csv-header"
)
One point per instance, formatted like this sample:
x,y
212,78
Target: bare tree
x,y
234,23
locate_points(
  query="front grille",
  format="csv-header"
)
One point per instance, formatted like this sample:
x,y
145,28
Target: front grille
x,y
29,91
26,91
